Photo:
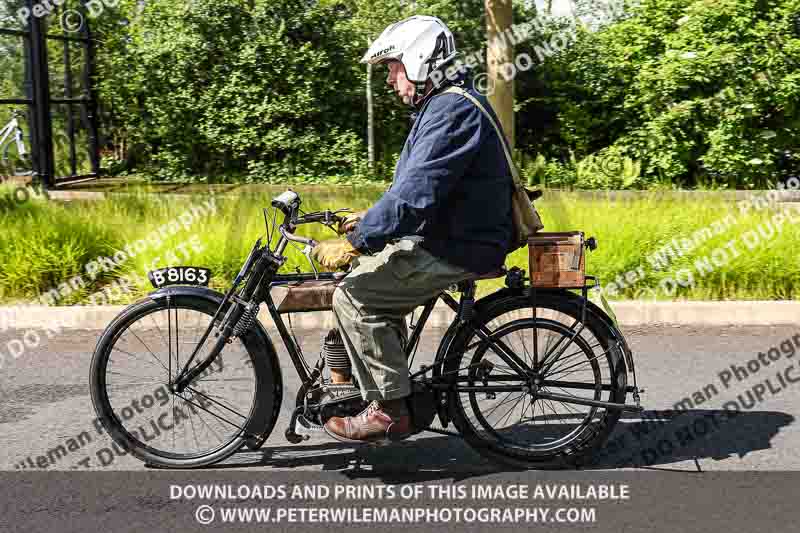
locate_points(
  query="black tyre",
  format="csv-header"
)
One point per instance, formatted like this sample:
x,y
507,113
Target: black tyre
x,y
14,164
141,352
515,426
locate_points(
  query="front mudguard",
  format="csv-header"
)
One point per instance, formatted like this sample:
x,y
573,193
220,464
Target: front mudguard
x,y
263,420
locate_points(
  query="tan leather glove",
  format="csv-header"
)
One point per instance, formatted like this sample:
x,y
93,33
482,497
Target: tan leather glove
x,y
349,222
334,253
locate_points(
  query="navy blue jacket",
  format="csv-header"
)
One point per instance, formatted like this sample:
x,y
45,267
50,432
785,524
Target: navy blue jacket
x,y
452,187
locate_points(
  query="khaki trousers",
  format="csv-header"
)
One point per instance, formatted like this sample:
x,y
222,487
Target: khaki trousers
x,y
370,306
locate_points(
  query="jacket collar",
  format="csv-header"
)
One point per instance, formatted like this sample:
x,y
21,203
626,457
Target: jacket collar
x,y
459,79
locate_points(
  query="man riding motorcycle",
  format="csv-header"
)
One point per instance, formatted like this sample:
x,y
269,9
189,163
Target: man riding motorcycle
x,y
446,218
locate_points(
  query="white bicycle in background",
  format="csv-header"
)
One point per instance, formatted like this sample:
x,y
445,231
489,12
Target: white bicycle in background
x,y
14,162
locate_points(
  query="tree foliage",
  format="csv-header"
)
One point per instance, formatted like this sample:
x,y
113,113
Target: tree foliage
x,y
701,92
217,86
682,92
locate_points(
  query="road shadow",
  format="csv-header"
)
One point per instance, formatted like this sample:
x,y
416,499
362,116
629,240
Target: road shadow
x,y
425,458
659,438
652,439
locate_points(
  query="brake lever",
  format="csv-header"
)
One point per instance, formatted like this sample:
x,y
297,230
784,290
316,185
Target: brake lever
x,y
332,217
307,252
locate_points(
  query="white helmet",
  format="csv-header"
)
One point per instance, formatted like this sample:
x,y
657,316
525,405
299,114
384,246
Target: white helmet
x,y
423,44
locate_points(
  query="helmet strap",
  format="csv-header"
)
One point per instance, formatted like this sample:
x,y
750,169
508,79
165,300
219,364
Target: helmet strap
x,y
421,94
418,100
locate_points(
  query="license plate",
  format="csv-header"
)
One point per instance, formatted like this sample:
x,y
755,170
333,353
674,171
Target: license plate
x,y
180,275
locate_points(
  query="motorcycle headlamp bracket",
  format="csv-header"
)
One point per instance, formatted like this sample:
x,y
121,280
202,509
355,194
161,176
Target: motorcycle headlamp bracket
x,y
288,202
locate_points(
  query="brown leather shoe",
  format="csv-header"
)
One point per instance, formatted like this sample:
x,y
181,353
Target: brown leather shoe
x,y
373,424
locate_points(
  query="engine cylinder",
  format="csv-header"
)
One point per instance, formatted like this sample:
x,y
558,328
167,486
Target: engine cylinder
x,y
335,354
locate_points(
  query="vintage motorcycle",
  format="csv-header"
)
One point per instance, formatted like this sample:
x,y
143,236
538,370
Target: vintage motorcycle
x,y
530,376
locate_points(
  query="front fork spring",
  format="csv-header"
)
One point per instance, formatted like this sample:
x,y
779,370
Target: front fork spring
x,y
246,321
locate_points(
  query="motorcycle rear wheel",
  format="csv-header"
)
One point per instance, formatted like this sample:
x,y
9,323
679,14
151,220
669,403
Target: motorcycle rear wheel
x,y
544,437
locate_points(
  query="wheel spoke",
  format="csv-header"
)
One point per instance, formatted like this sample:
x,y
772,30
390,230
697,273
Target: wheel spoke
x,y
561,361
504,352
160,333
528,356
214,411
562,373
117,373
209,398
570,340
132,355
552,408
579,363
151,353
548,427
505,400
508,413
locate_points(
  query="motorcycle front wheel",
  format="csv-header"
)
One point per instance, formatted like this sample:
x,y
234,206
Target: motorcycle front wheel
x,y
140,354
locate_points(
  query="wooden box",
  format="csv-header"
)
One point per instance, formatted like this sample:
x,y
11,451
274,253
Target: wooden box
x,y
556,260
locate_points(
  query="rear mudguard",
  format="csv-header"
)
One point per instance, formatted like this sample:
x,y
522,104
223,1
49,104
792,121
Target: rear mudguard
x,y
490,300
263,420
607,320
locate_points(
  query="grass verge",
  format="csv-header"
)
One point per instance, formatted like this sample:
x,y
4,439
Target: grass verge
x,y
43,244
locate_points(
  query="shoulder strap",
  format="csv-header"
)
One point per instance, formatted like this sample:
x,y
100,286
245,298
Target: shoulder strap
x,y
462,92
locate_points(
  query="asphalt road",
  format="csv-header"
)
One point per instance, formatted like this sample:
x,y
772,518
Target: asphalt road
x,y
46,404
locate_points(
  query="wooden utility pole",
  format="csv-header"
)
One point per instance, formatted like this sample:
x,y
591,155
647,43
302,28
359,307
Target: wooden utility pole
x,y
500,61
370,121
369,8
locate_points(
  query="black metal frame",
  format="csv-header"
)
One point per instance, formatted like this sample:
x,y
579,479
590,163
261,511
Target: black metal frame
x,y
463,309
239,307
39,100
295,352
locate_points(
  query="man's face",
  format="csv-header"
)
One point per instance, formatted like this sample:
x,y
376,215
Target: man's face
x,y
405,89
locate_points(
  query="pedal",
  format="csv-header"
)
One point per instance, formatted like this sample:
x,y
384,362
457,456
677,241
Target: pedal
x,y
336,391
306,429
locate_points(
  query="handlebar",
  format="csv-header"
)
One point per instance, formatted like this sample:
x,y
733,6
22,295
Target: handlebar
x,y
296,238
289,204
